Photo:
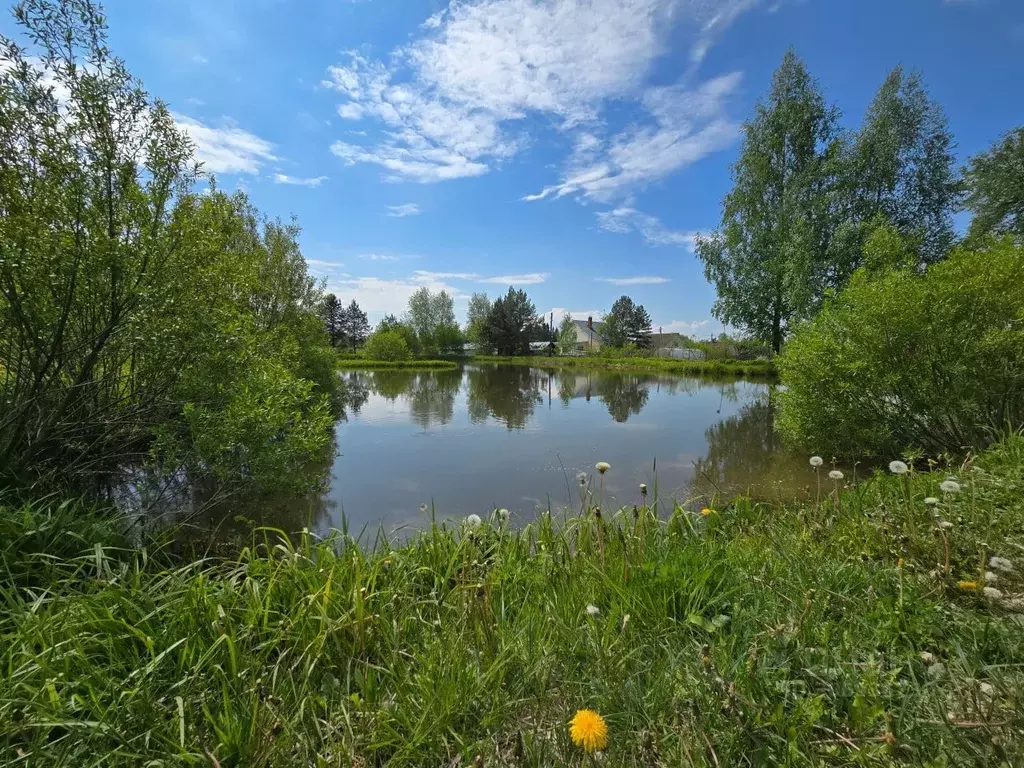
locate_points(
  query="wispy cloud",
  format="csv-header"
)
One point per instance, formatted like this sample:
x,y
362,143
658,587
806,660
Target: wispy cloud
x,y
626,219
227,149
639,280
688,327
315,181
324,265
531,278
401,211
379,257
452,103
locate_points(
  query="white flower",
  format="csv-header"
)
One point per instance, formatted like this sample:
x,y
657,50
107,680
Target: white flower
x,y
582,477
817,461
593,610
949,486
503,516
603,466
643,489
928,657
835,474
1000,564
945,525
992,593
990,577
898,467
473,522
930,501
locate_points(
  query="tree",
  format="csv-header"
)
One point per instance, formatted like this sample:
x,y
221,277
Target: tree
x,y
900,167
392,323
567,335
388,345
449,339
773,240
332,313
509,322
627,323
476,318
356,325
427,313
995,181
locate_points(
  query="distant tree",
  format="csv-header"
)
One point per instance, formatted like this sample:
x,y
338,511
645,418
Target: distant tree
x,y
387,344
449,339
332,313
405,330
567,335
995,181
768,254
509,322
428,312
476,318
356,325
627,323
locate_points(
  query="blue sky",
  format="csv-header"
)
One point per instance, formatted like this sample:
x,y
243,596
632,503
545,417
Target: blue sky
x,y
570,148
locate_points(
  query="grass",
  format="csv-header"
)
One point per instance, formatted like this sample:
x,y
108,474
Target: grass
x,y
757,634
347,363
743,368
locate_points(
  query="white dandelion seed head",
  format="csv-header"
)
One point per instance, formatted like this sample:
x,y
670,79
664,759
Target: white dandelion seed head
x,y
835,474
986,689
992,593
991,578
949,485
898,467
928,657
503,515
473,522
945,525
602,466
582,477
593,610
423,507
817,461
931,501
1000,564
643,487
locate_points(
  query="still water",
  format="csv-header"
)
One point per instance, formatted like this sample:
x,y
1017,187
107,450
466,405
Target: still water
x,y
483,437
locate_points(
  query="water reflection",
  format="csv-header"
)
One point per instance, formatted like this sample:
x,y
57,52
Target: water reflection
x,y
507,393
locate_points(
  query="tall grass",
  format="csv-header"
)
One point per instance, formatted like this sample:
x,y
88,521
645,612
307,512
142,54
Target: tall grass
x,y
755,634
362,362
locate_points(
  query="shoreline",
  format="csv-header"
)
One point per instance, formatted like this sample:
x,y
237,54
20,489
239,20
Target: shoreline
x,y
738,368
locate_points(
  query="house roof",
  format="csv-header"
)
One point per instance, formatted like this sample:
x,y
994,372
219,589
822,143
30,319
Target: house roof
x,y
595,331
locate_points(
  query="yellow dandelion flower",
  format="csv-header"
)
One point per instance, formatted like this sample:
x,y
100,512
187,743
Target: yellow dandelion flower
x,y
899,563
588,730
705,511
968,585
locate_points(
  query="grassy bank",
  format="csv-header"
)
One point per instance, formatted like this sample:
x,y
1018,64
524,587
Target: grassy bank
x,y
835,633
349,363
743,368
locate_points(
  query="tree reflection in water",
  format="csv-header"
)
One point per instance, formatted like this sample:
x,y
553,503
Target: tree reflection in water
x,y
624,394
508,393
432,398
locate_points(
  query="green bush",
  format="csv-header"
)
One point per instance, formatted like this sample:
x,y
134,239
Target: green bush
x,y
902,360
389,346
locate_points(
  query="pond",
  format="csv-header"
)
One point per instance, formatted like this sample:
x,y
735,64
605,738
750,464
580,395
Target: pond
x,y
481,437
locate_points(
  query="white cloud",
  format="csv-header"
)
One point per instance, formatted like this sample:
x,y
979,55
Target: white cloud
x,y
639,280
379,257
448,100
688,327
626,219
575,314
324,265
315,181
401,211
379,297
684,125
228,149
531,278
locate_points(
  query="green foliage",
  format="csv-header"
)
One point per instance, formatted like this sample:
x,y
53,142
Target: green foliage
x,y
510,323
567,337
356,325
760,634
392,323
333,314
617,360
995,180
387,345
902,360
627,323
771,245
140,322
428,314
476,319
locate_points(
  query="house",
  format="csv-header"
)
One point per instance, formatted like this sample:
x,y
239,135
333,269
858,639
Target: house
x,y
588,337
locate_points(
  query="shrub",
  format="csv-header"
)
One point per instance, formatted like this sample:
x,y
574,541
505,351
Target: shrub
x,y
387,345
900,360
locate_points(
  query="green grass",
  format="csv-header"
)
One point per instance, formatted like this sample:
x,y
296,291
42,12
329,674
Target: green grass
x,y
756,635
348,363
725,368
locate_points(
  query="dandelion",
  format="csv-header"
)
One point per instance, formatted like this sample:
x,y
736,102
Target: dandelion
x,y
602,466
473,522
423,508
817,461
1000,564
991,578
949,485
643,489
992,593
593,610
589,731
967,586
705,512
582,477
945,525
898,467
835,474
931,501
503,516
928,658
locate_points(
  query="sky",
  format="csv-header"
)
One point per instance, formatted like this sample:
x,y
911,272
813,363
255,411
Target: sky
x,y
571,148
